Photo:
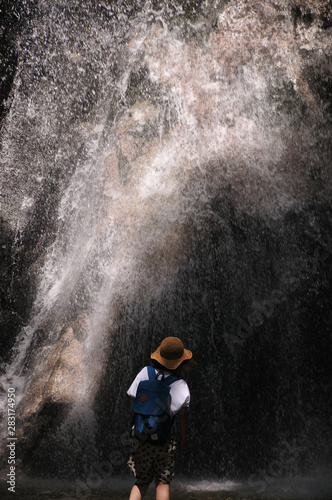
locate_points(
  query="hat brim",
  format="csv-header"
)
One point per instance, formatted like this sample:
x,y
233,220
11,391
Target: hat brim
x,y
171,364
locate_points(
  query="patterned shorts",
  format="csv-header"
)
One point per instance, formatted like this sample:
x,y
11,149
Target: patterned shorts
x,y
150,460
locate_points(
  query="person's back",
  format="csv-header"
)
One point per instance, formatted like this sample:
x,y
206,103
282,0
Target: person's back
x,y
156,460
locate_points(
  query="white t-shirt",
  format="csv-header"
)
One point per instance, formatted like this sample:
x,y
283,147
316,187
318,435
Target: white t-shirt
x,y
179,390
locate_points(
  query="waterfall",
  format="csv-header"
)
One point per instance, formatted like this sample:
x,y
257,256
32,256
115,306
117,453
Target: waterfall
x,y
166,170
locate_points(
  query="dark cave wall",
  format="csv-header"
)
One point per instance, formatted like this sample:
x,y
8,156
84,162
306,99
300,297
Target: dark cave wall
x,y
259,327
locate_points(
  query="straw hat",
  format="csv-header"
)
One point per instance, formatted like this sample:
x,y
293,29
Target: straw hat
x,y
171,353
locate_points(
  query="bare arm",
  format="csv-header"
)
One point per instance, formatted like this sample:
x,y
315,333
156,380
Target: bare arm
x,y
183,424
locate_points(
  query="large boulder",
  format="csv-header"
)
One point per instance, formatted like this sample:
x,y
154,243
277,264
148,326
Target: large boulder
x,y
56,386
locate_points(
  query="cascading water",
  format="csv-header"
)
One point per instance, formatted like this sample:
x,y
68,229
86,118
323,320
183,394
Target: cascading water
x,y
165,171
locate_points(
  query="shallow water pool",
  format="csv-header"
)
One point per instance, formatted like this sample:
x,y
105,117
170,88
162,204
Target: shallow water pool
x,y
296,488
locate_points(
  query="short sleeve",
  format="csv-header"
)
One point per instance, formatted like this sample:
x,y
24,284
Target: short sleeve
x,y
142,375
180,396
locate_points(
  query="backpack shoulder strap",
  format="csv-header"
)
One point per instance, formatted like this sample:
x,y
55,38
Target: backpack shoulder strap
x,y
151,373
170,379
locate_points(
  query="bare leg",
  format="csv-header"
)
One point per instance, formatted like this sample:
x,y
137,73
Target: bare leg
x,y
162,492
138,491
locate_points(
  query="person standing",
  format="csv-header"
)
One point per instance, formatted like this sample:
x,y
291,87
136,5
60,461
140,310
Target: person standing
x,y
154,460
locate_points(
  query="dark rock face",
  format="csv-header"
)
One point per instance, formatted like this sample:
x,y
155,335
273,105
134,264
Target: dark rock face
x,y
22,256
259,327
8,52
166,171
7,310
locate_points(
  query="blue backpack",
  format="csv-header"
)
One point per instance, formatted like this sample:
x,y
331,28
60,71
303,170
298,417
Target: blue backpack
x,y
152,421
